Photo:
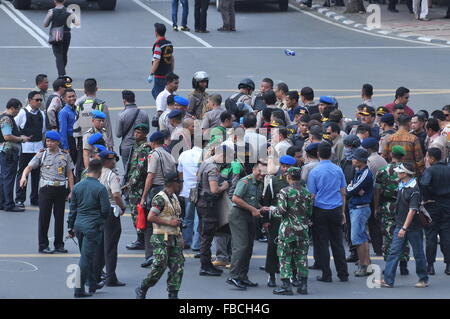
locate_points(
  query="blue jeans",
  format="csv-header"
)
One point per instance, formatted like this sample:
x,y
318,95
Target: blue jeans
x,y
190,231
415,238
158,86
8,171
358,221
185,13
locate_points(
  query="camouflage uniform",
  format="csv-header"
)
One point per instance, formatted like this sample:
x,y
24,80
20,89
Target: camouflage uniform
x,y
167,251
387,182
137,173
295,209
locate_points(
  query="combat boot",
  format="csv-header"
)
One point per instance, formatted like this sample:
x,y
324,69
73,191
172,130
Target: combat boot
x,y
271,281
285,289
173,294
303,288
295,282
140,291
404,268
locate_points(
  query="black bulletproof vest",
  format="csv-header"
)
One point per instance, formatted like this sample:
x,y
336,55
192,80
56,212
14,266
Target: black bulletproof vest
x,y
59,18
33,126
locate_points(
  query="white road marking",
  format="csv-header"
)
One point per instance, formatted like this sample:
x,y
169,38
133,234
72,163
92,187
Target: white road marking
x,y
25,27
356,30
27,21
167,21
34,268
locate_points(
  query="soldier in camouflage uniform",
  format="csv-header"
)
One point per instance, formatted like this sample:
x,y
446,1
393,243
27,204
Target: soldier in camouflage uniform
x,y
135,177
295,209
386,182
167,240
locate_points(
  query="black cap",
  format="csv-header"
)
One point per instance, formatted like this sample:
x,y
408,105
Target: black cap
x,y
172,177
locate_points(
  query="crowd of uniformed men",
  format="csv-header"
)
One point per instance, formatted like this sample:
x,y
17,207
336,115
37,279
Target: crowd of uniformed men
x,y
269,165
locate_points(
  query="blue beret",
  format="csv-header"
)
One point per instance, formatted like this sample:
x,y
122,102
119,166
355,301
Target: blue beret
x,y
100,148
361,155
52,135
386,118
174,113
96,114
108,155
287,160
327,99
156,136
369,142
94,138
311,147
181,100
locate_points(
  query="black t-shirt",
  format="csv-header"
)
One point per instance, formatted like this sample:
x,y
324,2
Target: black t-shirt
x,y
408,198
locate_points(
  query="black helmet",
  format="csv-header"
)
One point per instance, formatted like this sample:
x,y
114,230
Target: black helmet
x,y
200,76
247,83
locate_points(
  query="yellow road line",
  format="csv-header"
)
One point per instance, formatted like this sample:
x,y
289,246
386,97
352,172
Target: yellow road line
x,y
36,209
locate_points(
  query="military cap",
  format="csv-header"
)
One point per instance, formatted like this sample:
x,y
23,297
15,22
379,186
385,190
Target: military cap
x,y
96,114
352,141
95,138
142,127
277,123
387,118
172,177
66,79
369,142
360,155
300,110
312,147
181,100
295,172
174,113
367,110
156,136
108,155
52,135
382,110
99,148
287,160
398,150
327,100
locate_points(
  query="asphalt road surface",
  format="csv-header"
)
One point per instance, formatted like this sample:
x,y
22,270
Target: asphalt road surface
x,y
115,48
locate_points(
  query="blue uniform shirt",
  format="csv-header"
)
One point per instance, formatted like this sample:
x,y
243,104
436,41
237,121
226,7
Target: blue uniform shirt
x,y
66,118
325,181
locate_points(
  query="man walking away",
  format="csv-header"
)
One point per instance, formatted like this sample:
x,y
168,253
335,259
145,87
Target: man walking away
x,y
59,16
228,16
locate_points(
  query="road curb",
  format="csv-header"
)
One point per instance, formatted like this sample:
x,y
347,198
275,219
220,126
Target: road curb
x,y
348,22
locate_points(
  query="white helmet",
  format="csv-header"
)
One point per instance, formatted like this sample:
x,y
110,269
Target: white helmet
x,y
200,76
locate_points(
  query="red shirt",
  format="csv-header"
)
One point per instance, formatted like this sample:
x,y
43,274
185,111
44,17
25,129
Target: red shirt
x,y
408,110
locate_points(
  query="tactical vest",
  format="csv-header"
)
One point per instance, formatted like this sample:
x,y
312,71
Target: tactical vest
x,y
165,63
171,210
83,119
33,126
59,18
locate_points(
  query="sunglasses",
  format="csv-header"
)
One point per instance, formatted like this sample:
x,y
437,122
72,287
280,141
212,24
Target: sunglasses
x,y
37,100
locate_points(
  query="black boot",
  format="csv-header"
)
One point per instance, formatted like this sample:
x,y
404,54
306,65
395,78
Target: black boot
x,y
353,256
295,282
140,291
430,270
173,294
285,288
138,244
271,281
404,268
447,270
303,288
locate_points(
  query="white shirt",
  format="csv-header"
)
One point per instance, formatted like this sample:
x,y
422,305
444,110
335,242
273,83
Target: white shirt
x,y
282,147
21,120
188,164
255,139
161,100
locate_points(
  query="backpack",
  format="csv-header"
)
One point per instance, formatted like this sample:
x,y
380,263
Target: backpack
x,y
231,103
83,118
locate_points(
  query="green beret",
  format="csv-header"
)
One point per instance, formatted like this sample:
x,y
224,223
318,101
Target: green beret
x,y
142,127
398,150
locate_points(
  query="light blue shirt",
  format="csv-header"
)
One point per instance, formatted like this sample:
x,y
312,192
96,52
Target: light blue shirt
x,y
325,181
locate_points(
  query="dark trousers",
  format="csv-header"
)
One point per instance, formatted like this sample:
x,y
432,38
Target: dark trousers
x,y
448,10
272,264
242,227
60,52
200,10
88,240
73,149
107,249
392,4
125,155
158,86
21,193
79,166
347,231
209,222
8,172
376,236
228,15
440,214
329,232
51,198
149,230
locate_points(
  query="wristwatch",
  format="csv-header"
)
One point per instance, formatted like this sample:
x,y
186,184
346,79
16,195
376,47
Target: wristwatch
x,y
404,229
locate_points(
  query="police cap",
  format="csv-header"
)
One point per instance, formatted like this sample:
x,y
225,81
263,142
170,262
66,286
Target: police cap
x,y
156,136
181,100
95,138
327,100
108,155
369,142
174,113
96,114
52,135
287,160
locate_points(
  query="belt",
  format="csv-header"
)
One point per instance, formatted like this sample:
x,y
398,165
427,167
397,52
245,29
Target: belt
x,y
52,183
362,206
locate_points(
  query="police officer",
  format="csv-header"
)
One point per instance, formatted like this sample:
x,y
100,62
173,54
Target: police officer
x,y
89,208
135,177
246,208
199,98
107,250
98,145
167,240
160,163
274,184
56,166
